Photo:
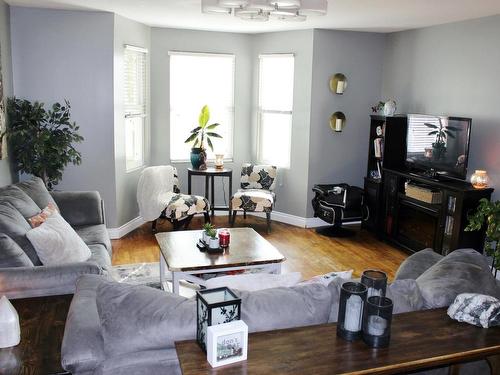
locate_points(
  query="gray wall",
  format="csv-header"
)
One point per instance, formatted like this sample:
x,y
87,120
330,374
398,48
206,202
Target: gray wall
x,y
452,69
6,175
137,34
292,183
164,40
341,157
60,55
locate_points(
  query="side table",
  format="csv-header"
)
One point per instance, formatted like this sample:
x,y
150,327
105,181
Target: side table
x,y
42,322
210,173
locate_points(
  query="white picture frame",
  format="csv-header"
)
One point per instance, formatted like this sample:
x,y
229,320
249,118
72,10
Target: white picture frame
x,y
227,343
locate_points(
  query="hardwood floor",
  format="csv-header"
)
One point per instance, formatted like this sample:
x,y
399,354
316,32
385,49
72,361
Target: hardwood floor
x,y
306,251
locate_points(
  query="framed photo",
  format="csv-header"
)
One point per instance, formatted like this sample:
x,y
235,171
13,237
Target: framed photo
x,y
227,343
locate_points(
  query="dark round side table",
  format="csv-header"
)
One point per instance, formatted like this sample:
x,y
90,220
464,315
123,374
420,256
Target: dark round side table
x,y
210,173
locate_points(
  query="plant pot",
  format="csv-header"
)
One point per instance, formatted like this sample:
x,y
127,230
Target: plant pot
x,y
205,237
213,243
198,158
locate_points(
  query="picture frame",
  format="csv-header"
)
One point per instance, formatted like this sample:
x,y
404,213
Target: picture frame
x,y
227,343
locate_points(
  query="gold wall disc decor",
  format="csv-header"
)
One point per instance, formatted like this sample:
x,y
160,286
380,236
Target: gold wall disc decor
x,y
338,83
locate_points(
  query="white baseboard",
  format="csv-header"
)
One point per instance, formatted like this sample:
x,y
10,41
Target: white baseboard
x,y
116,233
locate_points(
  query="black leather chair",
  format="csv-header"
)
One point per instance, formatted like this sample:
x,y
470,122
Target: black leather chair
x,y
338,204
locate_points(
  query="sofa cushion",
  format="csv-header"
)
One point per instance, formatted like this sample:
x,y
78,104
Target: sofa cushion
x,y
255,281
277,308
14,225
20,200
11,255
416,264
462,271
57,243
94,235
405,296
135,318
37,191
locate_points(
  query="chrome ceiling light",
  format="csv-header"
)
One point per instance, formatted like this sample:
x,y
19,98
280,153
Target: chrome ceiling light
x,y
262,10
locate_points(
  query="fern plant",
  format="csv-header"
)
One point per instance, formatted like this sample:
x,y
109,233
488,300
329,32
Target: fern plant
x,y
42,140
488,213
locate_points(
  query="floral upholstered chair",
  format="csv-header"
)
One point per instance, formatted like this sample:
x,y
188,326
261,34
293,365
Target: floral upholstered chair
x,y
158,196
257,191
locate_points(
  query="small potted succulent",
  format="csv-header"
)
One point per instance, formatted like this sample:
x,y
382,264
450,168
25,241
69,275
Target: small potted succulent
x,y
213,242
205,234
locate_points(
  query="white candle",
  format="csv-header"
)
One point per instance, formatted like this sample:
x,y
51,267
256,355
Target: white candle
x,y
376,325
374,292
353,313
338,125
340,87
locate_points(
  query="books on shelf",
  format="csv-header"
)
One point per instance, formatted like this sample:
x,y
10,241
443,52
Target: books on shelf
x,y
378,147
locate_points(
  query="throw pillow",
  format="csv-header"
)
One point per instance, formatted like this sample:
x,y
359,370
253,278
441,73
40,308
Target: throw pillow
x,y
11,255
462,271
255,281
37,220
37,191
137,318
19,199
416,264
327,278
56,242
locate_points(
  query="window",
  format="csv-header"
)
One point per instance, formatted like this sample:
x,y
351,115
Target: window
x,y
135,103
418,132
275,109
197,79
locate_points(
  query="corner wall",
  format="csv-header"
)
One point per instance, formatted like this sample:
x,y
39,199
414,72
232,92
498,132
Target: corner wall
x,y
6,174
451,69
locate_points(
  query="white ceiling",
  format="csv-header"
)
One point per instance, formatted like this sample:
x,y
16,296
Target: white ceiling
x,y
361,15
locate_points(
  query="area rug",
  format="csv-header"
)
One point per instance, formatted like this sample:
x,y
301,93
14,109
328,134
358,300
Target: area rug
x,y
138,274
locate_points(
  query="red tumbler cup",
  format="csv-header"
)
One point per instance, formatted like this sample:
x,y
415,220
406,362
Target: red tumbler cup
x,y
224,238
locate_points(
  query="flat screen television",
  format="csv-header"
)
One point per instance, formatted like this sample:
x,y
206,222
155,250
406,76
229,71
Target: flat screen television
x,y
438,145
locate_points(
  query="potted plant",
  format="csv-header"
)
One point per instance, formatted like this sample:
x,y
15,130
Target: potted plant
x,y
488,213
207,227
201,137
213,242
441,132
42,141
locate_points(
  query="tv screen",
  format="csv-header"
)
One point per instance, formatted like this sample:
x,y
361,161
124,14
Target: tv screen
x,y
439,144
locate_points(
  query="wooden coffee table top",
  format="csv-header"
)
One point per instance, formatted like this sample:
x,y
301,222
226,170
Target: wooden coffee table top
x,y
247,248
419,340
42,322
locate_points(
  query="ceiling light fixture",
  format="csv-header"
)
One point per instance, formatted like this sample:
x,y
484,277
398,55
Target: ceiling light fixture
x,y
262,10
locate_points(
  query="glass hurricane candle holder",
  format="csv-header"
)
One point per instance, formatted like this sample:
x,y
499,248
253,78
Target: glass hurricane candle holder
x,y
375,282
377,321
219,161
480,179
352,299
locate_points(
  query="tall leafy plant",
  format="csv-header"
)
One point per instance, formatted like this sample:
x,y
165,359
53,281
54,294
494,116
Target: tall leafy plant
x,y
442,133
42,140
488,214
202,134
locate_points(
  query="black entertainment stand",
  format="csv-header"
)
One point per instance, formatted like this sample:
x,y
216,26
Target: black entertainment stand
x,y
415,224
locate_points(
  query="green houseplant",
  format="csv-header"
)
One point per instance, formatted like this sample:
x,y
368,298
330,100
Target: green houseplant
x,y
441,132
488,213
201,137
42,140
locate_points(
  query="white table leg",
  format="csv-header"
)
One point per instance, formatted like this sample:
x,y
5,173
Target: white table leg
x,y
277,268
175,282
163,274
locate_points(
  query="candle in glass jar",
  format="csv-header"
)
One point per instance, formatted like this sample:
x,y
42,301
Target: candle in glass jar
x,y
224,238
353,313
376,325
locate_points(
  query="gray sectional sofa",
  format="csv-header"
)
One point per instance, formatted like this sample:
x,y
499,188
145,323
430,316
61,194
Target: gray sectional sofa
x,y
21,272
121,329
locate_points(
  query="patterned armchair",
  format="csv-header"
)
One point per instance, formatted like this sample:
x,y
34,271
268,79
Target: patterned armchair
x,y
157,200
257,191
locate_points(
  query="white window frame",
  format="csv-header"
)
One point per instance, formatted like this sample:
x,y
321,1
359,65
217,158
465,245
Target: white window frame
x,y
230,156
261,112
136,111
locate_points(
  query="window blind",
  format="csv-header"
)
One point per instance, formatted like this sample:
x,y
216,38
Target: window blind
x,y
135,101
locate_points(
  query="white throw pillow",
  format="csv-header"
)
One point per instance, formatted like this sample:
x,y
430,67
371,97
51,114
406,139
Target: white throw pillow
x,y
255,281
56,242
327,278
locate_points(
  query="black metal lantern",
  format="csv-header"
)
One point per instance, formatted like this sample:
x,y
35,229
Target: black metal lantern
x,y
377,322
375,282
352,299
215,306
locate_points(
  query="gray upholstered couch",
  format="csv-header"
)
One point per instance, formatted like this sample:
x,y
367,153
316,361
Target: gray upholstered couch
x,y
21,272
123,330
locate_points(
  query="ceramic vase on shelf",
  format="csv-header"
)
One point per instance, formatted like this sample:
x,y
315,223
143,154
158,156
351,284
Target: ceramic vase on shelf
x,y
198,158
10,331
390,108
